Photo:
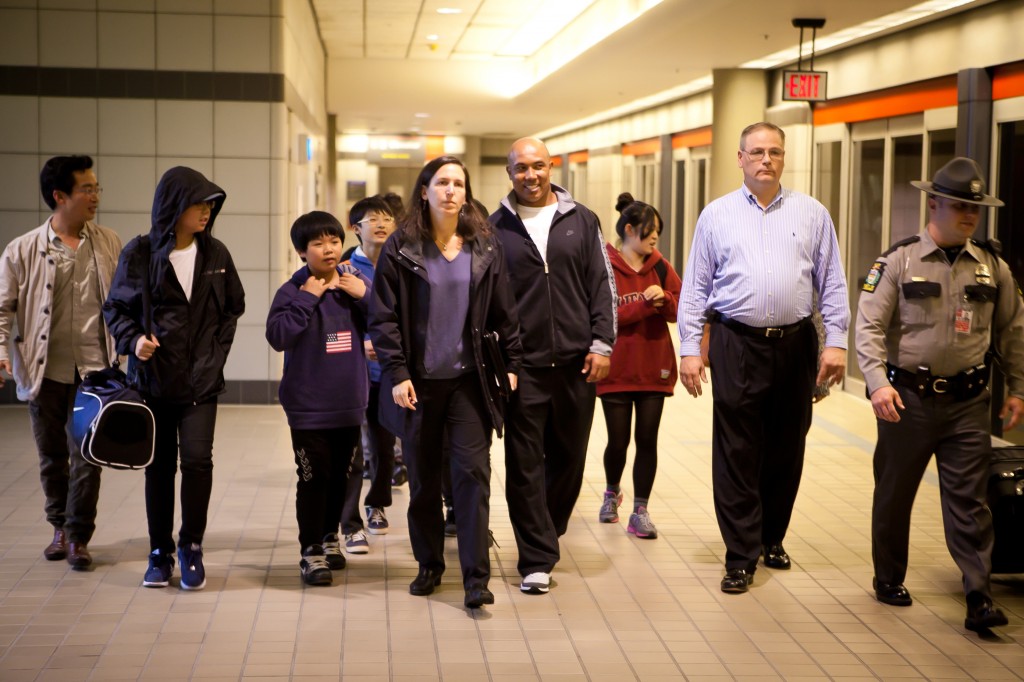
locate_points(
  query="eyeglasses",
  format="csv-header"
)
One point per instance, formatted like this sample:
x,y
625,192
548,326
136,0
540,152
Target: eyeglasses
x,y
775,154
91,190
377,222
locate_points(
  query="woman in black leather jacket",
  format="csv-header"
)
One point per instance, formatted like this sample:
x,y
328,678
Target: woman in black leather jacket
x,y
440,283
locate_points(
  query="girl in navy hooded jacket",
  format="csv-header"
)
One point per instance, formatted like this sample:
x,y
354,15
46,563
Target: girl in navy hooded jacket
x,y
177,357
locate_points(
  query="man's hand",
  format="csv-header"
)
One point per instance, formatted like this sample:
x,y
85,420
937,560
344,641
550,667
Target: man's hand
x,y
513,381
145,347
405,395
1014,407
352,285
833,366
691,374
317,286
596,367
5,366
885,401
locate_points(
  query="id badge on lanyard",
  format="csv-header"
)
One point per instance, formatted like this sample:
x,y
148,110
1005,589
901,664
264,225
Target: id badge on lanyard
x,y
963,316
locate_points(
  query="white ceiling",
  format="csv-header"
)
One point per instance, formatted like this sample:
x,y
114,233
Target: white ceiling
x,y
385,64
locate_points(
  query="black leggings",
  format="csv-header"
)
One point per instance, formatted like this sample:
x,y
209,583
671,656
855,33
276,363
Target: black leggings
x,y
618,413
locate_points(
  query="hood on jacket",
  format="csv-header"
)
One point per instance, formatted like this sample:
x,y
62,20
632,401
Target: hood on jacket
x,y
620,264
178,189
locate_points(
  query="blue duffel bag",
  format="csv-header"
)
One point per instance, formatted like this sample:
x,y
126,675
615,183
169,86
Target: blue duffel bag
x,y
112,424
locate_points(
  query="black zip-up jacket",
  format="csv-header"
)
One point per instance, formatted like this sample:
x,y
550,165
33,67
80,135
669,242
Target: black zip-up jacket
x,y
567,305
195,336
400,302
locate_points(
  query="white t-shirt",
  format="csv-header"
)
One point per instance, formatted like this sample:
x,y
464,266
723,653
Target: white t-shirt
x,y
537,222
184,264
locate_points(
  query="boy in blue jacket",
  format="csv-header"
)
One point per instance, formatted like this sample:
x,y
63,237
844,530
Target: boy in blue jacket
x,y
318,319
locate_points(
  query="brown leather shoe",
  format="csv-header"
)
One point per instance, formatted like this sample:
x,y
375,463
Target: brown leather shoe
x,y
78,555
58,549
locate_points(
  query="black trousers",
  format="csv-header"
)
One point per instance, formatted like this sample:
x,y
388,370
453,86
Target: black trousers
x,y
184,431
958,434
762,392
379,448
70,484
454,407
546,434
381,454
323,462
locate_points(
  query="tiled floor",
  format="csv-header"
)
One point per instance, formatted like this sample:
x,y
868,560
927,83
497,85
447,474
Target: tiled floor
x,y
620,608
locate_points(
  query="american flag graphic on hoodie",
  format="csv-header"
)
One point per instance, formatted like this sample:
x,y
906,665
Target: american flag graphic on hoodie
x,y
339,342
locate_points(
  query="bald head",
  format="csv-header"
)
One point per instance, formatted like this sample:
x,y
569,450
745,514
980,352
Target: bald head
x,y
529,169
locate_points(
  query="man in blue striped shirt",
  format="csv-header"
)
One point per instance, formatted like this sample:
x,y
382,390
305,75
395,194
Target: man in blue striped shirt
x,y
758,255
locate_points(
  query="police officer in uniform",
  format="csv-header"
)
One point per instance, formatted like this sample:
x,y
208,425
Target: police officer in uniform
x,y
929,311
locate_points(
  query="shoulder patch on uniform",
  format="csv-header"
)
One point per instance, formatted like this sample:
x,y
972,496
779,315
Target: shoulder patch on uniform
x,y
874,277
903,242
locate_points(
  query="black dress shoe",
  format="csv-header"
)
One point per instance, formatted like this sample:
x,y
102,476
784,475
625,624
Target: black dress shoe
x,y
478,596
736,581
775,557
425,582
58,549
78,555
892,594
981,615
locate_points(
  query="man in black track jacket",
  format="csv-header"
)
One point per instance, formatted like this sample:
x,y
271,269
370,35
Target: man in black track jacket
x,y
564,291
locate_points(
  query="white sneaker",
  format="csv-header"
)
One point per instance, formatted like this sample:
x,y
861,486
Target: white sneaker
x,y
536,583
356,543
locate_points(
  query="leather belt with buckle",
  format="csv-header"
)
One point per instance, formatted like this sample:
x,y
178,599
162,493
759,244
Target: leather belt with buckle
x,y
961,386
763,332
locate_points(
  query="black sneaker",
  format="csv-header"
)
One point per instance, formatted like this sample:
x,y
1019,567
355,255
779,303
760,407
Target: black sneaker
x,y
449,523
313,566
400,475
332,552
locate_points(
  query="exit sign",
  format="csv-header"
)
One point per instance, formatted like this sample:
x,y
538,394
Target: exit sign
x,y
804,86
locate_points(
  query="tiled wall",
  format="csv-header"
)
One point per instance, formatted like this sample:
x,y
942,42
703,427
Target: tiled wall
x,y
223,86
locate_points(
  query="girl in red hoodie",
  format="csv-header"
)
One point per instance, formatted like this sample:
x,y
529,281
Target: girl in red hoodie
x,y
643,363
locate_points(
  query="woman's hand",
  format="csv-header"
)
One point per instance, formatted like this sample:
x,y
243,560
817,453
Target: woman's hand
x,y
145,347
655,294
513,381
405,395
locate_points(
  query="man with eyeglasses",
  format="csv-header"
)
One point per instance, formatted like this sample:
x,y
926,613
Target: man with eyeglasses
x,y
53,282
932,308
759,255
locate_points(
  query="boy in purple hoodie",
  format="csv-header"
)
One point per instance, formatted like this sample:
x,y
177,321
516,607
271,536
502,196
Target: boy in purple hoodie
x,y
318,319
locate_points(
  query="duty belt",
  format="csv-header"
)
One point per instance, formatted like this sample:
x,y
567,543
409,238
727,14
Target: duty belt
x,y
761,332
962,386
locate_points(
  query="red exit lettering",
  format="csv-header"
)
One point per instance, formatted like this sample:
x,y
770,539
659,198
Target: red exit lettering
x,y
802,85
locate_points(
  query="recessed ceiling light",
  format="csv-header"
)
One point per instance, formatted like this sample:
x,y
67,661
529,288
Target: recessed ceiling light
x,y
421,115
449,10
432,37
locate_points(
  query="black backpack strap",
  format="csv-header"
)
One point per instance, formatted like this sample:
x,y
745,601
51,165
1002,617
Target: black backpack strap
x,y
661,267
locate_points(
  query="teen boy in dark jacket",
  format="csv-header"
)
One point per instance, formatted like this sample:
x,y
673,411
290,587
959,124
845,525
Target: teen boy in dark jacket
x,y
196,300
564,291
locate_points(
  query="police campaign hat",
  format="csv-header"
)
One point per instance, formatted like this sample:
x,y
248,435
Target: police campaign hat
x,y
959,179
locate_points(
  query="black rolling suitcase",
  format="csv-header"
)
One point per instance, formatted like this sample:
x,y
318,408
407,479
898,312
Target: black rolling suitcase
x,y
1006,500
